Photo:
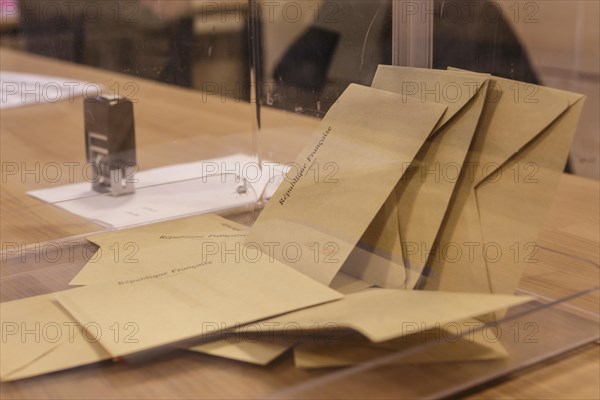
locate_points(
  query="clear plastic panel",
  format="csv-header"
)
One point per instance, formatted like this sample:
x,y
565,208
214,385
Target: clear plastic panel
x,y
176,61
530,334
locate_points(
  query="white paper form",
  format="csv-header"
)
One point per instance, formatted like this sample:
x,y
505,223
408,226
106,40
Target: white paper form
x,y
167,192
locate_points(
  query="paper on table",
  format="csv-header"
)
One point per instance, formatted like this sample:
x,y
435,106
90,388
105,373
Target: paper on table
x,y
194,189
424,192
39,337
385,314
195,303
314,220
18,89
451,343
517,158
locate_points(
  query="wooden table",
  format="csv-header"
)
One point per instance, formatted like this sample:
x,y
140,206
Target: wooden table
x,y
174,125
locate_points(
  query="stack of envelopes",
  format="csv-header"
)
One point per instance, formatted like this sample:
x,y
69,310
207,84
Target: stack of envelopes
x,y
407,219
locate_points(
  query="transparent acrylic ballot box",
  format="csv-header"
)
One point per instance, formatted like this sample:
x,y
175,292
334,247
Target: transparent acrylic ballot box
x,y
219,88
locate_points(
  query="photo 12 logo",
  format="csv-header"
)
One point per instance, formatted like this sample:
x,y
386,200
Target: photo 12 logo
x,y
71,11
470,12
67,331
24,89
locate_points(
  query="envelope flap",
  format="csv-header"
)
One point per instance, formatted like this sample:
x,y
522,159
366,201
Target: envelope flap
x,y
515,115
448,88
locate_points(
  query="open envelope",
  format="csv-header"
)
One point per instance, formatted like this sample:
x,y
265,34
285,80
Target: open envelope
x,y
407,225
341,180
39,337
514,165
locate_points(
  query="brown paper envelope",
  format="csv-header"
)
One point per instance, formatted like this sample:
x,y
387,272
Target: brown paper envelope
x,y
385,314
163,256
46,339
127,253
182,253
423,194
176,228
263,349
192,304
443,344
516,161
175,250
315,218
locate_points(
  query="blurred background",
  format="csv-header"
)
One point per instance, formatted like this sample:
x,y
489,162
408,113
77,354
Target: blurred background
x,y
310,50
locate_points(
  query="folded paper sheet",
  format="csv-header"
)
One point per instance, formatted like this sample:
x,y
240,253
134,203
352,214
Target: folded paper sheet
x,y
423,194
516,160
342,178
40,337
194,303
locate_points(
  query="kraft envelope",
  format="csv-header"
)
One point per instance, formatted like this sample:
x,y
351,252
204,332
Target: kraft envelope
x,y
265,347
186,305
186,227
40,337
157,258
385,314
423,194
516,161
442,344
342,178
153,248
177,245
